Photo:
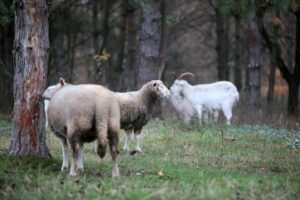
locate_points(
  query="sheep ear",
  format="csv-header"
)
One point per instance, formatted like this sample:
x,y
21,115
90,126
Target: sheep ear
x,y
61,81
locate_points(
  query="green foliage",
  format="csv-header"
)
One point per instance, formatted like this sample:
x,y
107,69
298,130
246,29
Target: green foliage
x,y
245,7
224,6
179,162
5,14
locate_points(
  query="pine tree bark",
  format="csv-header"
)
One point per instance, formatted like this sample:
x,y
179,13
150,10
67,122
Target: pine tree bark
x,y
150,42
30,53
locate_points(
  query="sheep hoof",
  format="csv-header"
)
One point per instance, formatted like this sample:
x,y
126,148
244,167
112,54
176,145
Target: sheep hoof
x,y
135,152
115,174
81,169
73,174
63,168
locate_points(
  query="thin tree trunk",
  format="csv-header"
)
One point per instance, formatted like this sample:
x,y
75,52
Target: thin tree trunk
x,y
100,67
6,68
270,96
128,77
150,42
237,53
72,57
222,26
31,47
96,41
115,68
293,101
58,66
254,65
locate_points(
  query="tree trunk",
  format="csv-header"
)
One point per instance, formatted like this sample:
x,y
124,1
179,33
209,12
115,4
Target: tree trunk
x,y
57,64
254,64
293,103
116,48
273,65
222,23
237,53
128,78
150,40
30,53
6,68
293,108
99,71
96,41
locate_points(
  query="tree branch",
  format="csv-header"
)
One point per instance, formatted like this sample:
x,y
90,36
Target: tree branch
x,y
285,73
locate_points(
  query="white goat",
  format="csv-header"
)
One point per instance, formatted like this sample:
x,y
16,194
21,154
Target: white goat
x,y
182,106
210,98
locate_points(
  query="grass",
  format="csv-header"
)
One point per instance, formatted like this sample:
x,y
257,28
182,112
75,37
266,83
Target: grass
x,y
178,162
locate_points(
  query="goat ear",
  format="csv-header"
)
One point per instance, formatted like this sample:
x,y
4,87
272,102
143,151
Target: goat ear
x,y
61,81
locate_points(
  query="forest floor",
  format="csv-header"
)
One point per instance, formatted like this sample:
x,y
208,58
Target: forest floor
x,y
178,162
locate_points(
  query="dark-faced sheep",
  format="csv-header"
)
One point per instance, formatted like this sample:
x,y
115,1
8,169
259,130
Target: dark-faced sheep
x,y
84,113
136,109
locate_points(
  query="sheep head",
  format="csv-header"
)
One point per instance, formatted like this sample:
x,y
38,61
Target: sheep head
x,y
51,90
157,87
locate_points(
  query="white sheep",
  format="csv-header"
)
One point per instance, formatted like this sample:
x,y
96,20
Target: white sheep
x,y
209,98
83,113
136,109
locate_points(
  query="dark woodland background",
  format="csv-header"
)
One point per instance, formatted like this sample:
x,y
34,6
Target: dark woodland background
x,y
255,44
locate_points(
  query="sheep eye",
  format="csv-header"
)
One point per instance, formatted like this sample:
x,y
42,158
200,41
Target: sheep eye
x,y
154,84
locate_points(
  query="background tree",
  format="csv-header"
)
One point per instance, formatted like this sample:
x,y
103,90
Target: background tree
x,y
222,43
6,64
150,42
31,47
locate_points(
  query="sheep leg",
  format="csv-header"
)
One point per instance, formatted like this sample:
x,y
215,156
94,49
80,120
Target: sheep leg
x,y
64,145
102,141
76,146
138,140
128,135
80,159
113,145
